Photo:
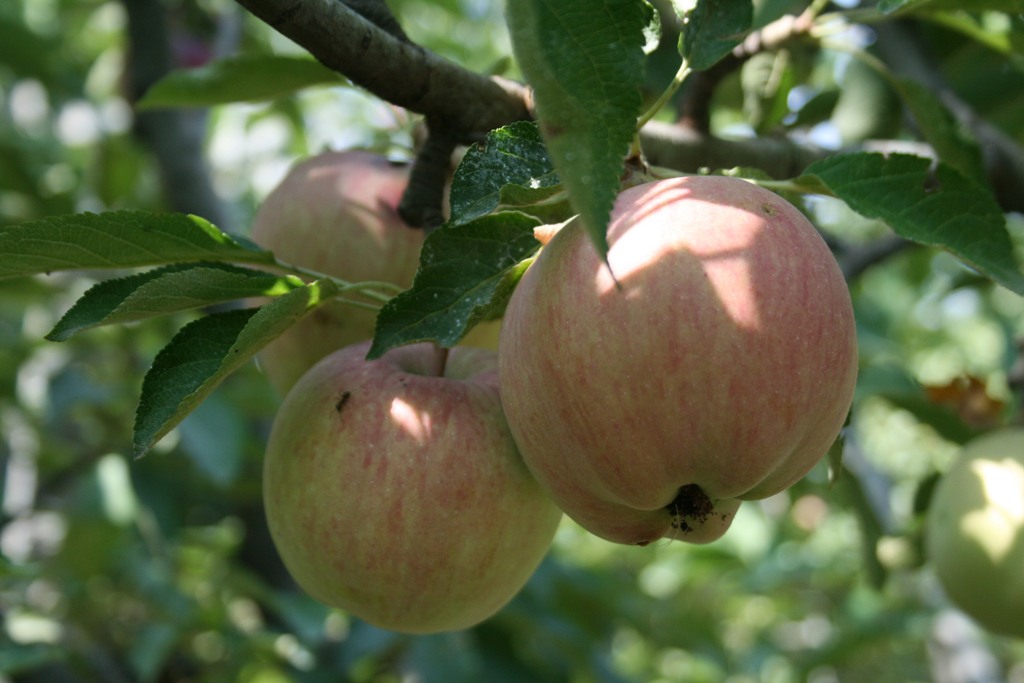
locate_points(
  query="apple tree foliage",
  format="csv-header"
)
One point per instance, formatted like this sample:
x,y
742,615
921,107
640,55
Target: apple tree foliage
x,y
136,140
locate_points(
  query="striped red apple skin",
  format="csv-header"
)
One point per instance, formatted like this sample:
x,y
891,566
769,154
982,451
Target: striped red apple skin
x,y
393,488
712,360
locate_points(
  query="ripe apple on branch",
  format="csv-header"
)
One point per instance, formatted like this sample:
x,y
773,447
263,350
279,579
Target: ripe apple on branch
x,y
711,360
394,490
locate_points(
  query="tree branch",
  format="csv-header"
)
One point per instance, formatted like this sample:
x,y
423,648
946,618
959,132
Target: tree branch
x,y
468,105
395,70
685,149
423,200
378,12
175,137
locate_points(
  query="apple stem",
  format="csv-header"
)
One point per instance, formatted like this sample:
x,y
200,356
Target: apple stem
x,y
666,95
441,356
368,288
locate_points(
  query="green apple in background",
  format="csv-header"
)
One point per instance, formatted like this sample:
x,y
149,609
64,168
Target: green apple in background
x,y
713,362
393,488
975,531
335,213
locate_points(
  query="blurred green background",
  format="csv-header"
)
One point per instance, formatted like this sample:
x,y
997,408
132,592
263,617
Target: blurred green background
x,y
162,570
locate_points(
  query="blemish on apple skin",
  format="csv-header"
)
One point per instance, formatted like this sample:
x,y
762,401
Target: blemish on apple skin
x,y
769,210
343,398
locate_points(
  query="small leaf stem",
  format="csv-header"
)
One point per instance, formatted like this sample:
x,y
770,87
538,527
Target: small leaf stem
x,y
815,9
636,149
857,16
791,186
677,81
441,360
663,172
863,55
367,288
366,305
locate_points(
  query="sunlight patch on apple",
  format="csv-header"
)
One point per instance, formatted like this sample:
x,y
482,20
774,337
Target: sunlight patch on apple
x,y
996,526
729,275
415,423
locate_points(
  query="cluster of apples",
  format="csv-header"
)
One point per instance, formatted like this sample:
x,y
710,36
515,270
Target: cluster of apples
x,y
711,360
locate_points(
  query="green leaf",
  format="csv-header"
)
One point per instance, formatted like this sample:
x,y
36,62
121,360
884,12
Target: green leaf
x,y
652,29
512,161
118,239
246,78
166,290
951,141
766,79
1004,40
467,272
584,60
549,204
712,30
946,209
817,109
206,351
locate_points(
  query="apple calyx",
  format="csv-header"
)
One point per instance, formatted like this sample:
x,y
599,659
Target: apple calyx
x,y
691,503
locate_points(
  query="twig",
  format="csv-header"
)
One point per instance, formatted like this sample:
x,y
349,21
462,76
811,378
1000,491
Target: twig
x,y
378,12
689,150
174,136
423,199
396,70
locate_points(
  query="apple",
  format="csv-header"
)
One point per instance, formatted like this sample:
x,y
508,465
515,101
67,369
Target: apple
x,y
393,488
713,360
974,534
335,213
